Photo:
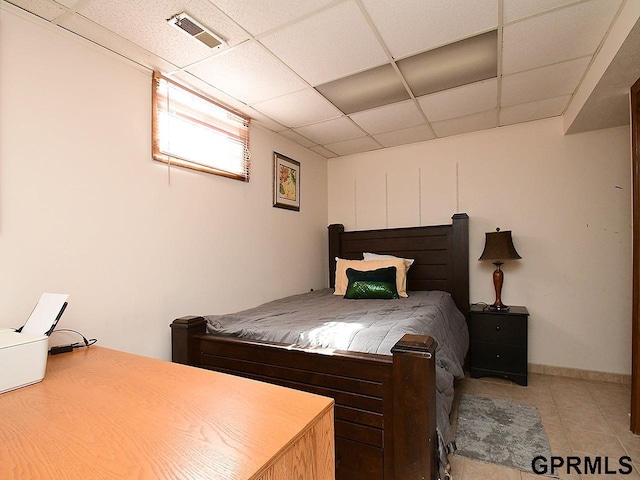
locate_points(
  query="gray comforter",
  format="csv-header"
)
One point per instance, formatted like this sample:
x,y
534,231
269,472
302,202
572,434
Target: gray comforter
x,y
321,319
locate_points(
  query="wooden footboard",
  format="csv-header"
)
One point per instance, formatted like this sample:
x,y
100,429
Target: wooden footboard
x,y
385,413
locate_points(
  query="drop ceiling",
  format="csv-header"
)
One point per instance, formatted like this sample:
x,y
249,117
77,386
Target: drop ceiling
x,y
398,71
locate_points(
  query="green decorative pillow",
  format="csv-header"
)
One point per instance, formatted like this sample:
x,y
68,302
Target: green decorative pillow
x,y
380,283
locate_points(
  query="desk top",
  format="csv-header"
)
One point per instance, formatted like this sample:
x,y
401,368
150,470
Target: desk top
x,y
101,413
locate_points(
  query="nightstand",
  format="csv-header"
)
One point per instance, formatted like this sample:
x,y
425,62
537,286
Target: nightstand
x,y
498,343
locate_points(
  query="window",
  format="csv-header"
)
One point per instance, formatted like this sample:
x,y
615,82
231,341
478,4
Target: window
x,y
192,131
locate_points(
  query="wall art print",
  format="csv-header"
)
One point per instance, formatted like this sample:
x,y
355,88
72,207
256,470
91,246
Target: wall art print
x,y
286,182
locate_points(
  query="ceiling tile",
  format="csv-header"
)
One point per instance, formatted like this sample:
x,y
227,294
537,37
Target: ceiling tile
x,y
296,137
470,123
369,89
41,8
261,119
539,83
572,32
404,136
357,145
324,152
517,9
152,31
461,101
71,4
101,36
526,112
410,27
331,131
259,17
330,44
389,117
299,108
189,80
249,73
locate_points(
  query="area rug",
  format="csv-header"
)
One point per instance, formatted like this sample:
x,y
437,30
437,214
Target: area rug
x,y
502,432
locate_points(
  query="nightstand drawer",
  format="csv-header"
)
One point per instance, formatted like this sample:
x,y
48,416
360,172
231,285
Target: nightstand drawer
x,y
499,357
486,327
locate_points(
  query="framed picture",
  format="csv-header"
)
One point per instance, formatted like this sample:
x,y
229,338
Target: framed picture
x,y
286,182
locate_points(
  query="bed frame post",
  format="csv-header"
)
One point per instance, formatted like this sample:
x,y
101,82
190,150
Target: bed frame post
x,y
461,262
183,345
414,403
335,230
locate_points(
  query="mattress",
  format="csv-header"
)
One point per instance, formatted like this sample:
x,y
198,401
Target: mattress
x,y
323,320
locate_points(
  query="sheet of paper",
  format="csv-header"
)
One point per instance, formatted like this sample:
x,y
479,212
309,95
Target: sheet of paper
x,y
44,315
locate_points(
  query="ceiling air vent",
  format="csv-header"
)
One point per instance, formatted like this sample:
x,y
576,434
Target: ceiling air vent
x,y
195,29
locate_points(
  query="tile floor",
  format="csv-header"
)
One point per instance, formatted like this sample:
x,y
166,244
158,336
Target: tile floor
x,y
581,418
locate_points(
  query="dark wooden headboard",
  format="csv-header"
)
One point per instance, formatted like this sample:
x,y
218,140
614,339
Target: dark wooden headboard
x,y
441,254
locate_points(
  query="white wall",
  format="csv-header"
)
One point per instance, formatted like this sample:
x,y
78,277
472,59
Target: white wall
x,y
85,211
567,200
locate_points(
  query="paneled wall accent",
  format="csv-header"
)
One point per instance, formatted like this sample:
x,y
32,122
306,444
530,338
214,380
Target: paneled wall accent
x,y
567,200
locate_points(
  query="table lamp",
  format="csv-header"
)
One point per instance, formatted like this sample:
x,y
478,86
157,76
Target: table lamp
x,y
498,246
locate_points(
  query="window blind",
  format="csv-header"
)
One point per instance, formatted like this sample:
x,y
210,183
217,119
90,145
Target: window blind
x,y
193,131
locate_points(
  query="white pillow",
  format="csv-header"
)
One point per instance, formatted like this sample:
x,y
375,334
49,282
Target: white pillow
x,y
378,256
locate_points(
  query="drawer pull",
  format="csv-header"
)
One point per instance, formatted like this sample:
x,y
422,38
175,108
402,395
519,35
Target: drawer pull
x,y
497,328
498,356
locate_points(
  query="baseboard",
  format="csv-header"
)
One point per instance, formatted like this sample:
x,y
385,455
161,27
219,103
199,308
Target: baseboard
x,y
581,374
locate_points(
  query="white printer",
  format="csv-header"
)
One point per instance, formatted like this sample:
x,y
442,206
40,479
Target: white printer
x,y
23,354
23,358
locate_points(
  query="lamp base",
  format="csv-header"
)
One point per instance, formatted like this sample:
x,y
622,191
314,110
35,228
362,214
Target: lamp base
x,y
498,308
498,278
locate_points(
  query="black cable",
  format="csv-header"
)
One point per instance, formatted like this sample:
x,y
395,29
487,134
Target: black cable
x,y
485,306
68,348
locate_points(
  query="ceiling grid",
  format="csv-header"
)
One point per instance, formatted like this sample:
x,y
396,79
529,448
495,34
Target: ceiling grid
x,y
348,76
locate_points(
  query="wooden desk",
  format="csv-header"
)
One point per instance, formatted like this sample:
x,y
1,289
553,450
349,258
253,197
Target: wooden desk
x,y
100,413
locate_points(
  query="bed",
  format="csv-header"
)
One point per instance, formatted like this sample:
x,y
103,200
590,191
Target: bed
x,y
387,425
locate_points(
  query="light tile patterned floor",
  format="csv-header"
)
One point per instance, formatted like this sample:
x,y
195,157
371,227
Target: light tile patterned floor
x,y
581,418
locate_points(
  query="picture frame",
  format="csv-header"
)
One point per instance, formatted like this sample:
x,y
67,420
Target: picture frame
x,y
286,182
